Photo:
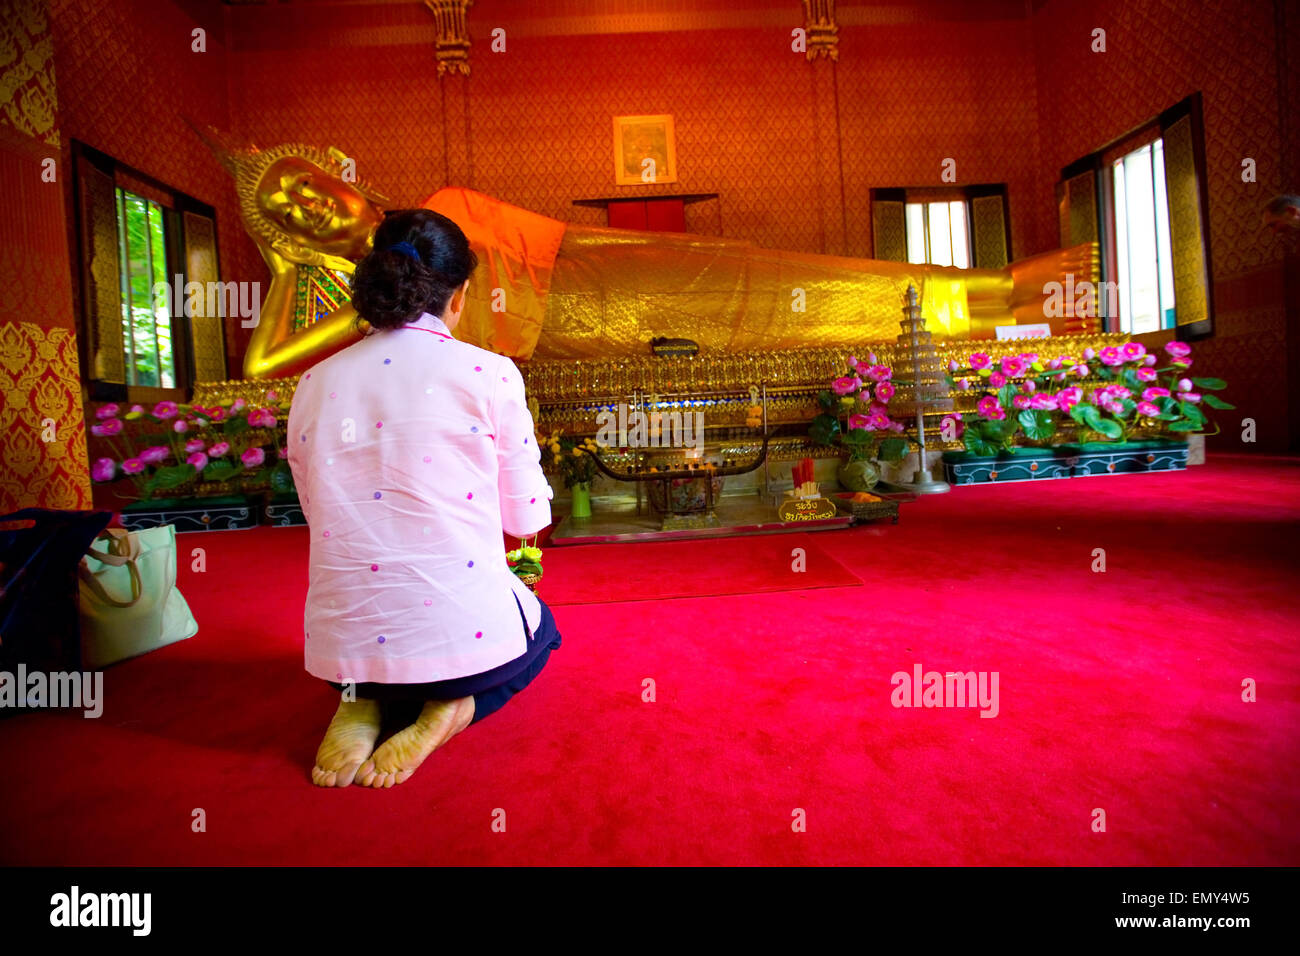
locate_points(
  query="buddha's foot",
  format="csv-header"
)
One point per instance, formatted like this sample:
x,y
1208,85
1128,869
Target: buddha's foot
x,y
401,754
349,740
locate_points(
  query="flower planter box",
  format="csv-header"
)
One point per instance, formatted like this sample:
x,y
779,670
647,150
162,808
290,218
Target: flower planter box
x,y
285,511
194,514
1125,458
1018,464
1092,459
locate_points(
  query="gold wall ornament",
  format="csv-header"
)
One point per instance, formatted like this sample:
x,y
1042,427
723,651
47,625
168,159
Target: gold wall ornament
x,y
28,97
822,31
40,397
452,48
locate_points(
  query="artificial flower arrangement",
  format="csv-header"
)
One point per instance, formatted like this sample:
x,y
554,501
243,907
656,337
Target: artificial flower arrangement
x,y
855,413
175,446
572,456
526,562
1114,393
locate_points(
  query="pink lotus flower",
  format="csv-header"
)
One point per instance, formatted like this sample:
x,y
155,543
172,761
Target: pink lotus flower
x,y
880,373
1029,358
1080,370
1148,359
1146,374
198,410
871,357
1115,408
858,421
136,410
283,452
885,391
963,384
1089,354
853,361
104,469
198,460
1060,376
219,449
979,360
1133,351
133,466
236,405
1043,402
997,379
165,410
1111,356
1147,409
180,426
217,414
1056,363
110,427
1013,366
841,386
106,411
1178,349
1029,385
272,396
1184,385
1154,392
952,365
895,426
989,407
154,454
193,445
265,418
1020,401
252,457
1192,397
1181,362
862,368
877,422
1067,398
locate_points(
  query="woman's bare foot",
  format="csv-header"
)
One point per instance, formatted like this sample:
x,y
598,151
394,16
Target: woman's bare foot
x,y
401,754
349,740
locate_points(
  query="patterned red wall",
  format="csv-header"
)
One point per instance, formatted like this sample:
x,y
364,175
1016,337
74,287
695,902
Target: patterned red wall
x,y
1157,53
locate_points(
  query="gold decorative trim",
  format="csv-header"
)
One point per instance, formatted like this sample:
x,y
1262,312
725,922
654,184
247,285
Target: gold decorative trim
x,y
823,33
452,45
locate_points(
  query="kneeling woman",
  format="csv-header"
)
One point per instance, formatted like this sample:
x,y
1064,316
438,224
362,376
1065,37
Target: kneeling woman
x,y
412,452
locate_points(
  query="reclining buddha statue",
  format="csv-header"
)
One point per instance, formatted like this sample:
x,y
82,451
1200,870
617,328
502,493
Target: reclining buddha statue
x,y
547,289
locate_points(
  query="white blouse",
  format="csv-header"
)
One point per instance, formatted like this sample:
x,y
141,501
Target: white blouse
x,y
412,452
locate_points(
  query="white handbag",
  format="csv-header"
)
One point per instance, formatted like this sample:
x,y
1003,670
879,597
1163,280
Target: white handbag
x,y
129,600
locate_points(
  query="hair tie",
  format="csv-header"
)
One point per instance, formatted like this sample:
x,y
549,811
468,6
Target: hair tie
x,y
406,249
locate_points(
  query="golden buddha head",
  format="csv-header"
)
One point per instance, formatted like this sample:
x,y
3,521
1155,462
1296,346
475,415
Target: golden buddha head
x,y
301,199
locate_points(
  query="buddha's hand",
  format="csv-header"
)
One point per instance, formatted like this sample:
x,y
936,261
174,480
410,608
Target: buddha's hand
x,y
283,257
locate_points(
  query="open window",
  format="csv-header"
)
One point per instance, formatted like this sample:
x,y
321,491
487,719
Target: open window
x,y
1143,199
945,227
135,236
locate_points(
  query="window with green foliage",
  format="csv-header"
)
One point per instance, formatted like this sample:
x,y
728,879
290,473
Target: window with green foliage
x,y
146,324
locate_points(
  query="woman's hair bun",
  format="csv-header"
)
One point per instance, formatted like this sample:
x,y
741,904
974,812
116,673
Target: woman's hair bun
x,y
393,287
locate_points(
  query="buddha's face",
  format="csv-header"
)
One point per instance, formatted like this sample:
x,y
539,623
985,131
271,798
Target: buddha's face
x,y
315,208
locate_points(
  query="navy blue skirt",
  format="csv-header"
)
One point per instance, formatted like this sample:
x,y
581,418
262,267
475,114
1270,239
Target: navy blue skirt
x,y
490,689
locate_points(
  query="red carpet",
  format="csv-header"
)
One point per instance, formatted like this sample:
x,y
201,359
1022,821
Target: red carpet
x,y
1119,691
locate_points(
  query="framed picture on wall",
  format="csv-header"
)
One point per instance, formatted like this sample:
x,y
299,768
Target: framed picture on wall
x,y
645,150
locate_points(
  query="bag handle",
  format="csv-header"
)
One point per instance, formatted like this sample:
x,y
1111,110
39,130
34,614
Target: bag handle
x,y
122,550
